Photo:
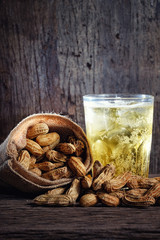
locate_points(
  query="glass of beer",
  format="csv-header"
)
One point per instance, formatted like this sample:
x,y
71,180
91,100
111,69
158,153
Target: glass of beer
x,y
119,130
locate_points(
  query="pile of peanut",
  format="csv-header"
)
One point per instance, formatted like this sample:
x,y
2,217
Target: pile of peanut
x,y
46,156
105,188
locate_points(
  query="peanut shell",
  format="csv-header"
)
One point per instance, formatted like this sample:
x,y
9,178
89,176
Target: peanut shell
x,y
52,138
77,166
55,156
88,200
24,159
34,148
66,148
37,129
108,199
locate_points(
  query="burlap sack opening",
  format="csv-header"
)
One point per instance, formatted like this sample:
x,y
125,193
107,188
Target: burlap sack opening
x,y
12,173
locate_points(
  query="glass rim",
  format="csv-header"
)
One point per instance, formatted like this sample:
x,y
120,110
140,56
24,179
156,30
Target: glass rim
x,y
118,96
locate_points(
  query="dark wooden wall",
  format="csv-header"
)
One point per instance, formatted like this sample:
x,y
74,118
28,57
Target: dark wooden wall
x,y
52,52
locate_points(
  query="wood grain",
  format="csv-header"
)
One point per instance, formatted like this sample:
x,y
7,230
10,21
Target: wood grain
x,y
53,52
21,220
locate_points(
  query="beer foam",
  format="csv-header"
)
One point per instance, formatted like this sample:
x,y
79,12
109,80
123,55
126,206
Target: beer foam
x,y
116,104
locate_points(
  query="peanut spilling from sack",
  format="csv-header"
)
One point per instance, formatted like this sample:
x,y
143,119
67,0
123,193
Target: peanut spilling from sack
x,y
47,157
103,187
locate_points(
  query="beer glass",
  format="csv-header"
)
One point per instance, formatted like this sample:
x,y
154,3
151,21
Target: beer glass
x,y
119,130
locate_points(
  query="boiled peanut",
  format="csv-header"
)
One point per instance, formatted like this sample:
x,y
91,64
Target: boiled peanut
x,y
32,161
154,191
88,200
57,173
37,129
60,200
34,148
74,190
138,201
36,171
108,199
55,156
117,183
77,166
66,148
48,139
97,167
106,174
86,182
48,166
56,191
24,159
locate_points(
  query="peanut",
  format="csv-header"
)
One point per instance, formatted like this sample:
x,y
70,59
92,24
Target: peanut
x,y
97,167
147,182
157,178
136,192
108,199
36,171
138,201
140,182
106,174
56,191
48,166
79,145
51,200
48,139
76,165
37,129
41,199
119,194
55,156
154,191
24,159
86,182
66,148
117,183
74,190
60,200
133,182
88,200
57,173
49,147
34,148
32,161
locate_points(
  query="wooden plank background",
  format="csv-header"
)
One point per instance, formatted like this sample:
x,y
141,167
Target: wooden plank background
x,y
52,52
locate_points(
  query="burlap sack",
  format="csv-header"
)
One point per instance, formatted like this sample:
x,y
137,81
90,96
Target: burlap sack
x,y
15,175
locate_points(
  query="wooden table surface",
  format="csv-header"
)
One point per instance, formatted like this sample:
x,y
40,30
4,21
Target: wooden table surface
x,y
20,219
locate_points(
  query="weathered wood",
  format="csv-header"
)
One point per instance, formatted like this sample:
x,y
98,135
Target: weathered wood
x,y
52,52
21,220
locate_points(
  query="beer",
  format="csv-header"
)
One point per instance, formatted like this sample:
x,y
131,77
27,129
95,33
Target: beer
x,y
120,132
